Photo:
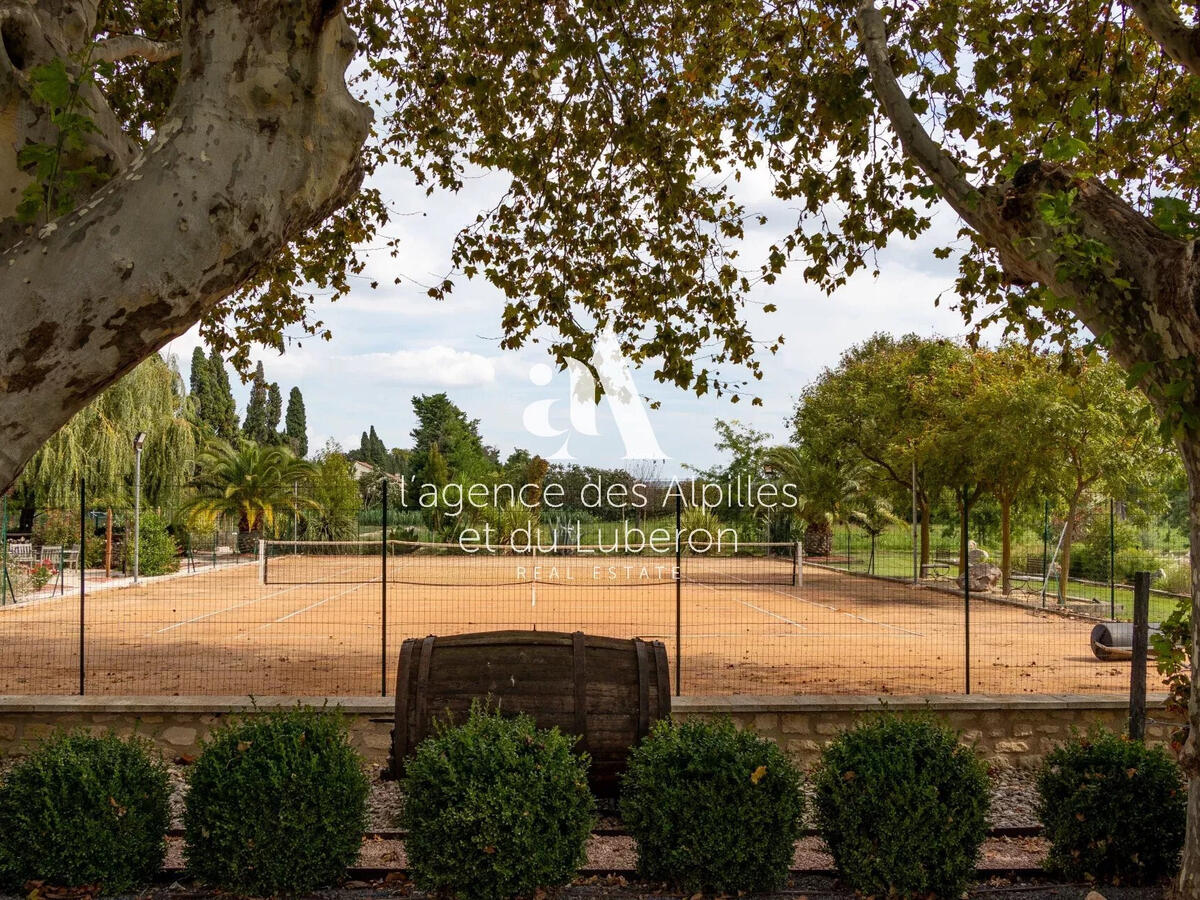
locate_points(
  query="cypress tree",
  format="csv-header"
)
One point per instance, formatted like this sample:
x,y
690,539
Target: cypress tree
x,y
200,389
255,425
296,423
274,412
376,449
222,415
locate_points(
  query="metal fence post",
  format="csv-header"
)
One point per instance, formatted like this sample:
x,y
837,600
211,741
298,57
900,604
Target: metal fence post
x,y
82,567
1112,560
915,539
966,574
383,543
1045,551
6,587
1137,669
678,594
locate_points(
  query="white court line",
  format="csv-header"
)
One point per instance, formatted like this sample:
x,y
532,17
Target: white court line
x,y
349,590
767,612
824,606
217,612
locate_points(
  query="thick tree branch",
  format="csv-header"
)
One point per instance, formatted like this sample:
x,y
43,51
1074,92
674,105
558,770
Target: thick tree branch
x,y
917,144
1144,299
123,46
1181,42
262,142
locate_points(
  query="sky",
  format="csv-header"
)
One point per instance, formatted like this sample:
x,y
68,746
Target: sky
x,y
394,342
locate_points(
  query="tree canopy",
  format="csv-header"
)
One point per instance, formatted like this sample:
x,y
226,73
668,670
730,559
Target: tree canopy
x,y
1005,422
442,424
98,443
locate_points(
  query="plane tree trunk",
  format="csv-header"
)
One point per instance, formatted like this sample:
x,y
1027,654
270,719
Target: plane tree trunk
x,y
262,141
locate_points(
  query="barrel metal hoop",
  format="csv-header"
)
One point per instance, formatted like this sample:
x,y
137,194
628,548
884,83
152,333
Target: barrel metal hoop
x,y
643,667
579,665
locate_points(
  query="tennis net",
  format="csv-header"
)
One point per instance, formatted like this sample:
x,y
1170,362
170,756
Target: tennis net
x,y
450,564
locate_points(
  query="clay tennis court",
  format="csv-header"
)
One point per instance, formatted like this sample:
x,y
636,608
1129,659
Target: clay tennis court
x,y
315,628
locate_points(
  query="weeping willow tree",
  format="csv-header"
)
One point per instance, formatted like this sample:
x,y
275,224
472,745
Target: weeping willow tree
x,y
98,443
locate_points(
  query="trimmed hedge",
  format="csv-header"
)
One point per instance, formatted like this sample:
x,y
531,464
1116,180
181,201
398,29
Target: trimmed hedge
x,y
902,807
712,808
83,810
1114,809
276,804
496,808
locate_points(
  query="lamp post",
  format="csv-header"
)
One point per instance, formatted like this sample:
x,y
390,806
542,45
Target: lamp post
x,y
138,443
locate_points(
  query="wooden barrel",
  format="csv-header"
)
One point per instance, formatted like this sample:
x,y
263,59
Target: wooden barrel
x,y
608,691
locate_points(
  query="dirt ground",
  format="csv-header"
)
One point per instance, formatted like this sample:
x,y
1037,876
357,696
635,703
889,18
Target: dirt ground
x,y
316,629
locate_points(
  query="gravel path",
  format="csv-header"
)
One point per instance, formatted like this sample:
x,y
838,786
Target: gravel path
x,y
1013,796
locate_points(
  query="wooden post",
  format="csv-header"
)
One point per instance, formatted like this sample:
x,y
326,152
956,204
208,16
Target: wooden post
x,y
1137,669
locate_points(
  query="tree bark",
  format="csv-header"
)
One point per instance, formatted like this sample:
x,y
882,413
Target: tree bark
x,y
262,142
818,538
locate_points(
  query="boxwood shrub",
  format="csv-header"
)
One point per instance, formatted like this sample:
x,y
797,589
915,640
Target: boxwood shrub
x,y
712,808
83,810
902,806
1114,809
496,808
276,804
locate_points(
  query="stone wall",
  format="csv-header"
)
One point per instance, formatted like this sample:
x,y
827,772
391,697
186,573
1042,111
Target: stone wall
x,y
1007,730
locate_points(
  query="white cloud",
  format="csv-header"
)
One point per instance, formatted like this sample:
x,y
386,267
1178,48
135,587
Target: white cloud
x,y
440,366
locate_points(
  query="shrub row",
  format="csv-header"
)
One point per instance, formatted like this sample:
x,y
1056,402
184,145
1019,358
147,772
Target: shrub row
x,y
497,808
276,804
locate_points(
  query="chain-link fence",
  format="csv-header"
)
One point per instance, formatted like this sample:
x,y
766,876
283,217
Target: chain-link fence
x,y
306,603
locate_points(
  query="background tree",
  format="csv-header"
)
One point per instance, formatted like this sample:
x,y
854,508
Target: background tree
x,y
876,405
296,423
372,450
274,412
435,475
200,388
254,426
1006,429
440,422
1103,439
253,484
873,515
98,443
828,480
334,497
221,416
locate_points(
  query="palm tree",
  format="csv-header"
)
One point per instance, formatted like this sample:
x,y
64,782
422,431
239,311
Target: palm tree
x,y
827,485
874,516
256,484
